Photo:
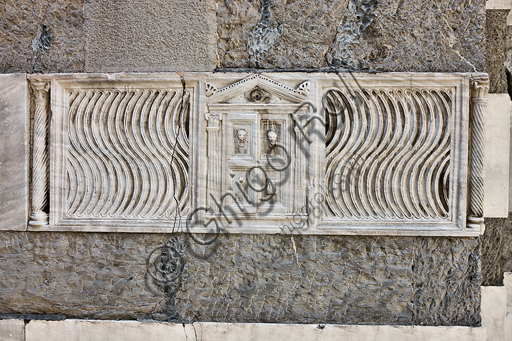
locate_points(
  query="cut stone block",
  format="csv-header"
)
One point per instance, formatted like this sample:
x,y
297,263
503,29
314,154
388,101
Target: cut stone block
x,y
14,152
494,308
497,123
149,35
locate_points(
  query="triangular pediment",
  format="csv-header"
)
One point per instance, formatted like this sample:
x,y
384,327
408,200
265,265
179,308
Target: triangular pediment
x,y
258,88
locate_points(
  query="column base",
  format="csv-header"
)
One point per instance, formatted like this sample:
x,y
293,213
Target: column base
x,y
476,223
38,220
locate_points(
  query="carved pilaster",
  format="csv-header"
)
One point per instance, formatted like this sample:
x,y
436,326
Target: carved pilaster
x,y
479,88
213,154
300,169
39,218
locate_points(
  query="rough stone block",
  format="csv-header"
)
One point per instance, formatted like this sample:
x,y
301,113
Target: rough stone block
x,y
495,56
354,35
42,36
14,152
12,330
243,278
149,35
497,123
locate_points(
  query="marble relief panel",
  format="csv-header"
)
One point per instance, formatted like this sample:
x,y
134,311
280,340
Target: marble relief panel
x,y
310,153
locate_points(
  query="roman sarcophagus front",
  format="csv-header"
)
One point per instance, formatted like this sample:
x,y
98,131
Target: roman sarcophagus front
x,y
318,153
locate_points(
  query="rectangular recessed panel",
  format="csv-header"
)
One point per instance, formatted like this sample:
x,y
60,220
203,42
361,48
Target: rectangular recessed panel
x,y
121,155
127,155
388,154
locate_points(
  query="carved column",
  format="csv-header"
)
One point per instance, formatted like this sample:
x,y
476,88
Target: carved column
x,y
479,88
213,155
39,218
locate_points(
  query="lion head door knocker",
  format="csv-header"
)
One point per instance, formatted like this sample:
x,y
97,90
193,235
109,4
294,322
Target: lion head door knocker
x,y
241,136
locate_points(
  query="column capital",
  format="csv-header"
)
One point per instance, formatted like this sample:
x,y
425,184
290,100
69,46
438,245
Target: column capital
x,y
479,87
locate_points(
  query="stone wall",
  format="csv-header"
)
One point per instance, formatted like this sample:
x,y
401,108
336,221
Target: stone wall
x,y
351,34
496,249
243,278
145,35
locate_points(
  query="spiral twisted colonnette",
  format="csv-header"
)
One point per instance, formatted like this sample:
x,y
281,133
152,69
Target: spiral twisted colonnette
x,y
388,153
477,161
40,154
476,166
128,154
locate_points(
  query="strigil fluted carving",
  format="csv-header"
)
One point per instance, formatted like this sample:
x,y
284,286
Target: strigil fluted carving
x,y
128,154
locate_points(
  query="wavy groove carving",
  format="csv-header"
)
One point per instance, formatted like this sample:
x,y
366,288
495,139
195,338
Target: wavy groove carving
x,y
388,154
128,154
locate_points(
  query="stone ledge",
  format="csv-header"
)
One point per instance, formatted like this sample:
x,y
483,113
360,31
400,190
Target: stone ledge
x,y
69,330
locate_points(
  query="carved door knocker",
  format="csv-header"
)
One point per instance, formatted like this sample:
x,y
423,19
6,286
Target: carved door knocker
x,y
241,135
272,137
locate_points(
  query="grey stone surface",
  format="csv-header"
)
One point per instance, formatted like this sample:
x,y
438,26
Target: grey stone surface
x,y
495,51
164,35
42,36
447,280
14,152
353,34
242,278
496,250
150,35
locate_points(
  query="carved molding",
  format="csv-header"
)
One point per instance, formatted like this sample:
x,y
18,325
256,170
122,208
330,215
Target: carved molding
x,y
213,146
38,217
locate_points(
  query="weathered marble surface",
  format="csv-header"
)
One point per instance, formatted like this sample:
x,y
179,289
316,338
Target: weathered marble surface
x,y
245,278
12,330
135,331
497,151
354,34
93,188
14,152
494,309
150,35
507,282
42,36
